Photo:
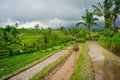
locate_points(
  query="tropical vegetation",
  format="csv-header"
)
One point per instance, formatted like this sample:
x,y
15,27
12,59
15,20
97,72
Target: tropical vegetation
x,y
22,47
111,43
89,20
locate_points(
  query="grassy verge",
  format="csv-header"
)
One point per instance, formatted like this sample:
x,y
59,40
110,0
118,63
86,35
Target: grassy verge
x,y
26,64
44,71
83,70
111,43
24,61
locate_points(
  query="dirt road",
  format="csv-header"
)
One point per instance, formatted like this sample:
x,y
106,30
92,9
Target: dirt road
x,y
106,65
64,71
29,73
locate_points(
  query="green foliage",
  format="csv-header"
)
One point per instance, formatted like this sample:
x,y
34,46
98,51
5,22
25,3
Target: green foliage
x,y
111,43
88,19
83,70
9,39
30,40
12,64
13,40
110,10
115,12
45,70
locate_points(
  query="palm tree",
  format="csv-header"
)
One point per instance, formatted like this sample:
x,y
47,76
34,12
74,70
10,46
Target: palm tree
x,y
62,29
88,19
105,9
116,11
16,25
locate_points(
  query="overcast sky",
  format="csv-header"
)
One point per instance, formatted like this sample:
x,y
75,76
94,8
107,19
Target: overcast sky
x,y
44,12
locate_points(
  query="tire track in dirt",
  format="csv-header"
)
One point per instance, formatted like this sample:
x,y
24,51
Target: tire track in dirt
x,y
65,70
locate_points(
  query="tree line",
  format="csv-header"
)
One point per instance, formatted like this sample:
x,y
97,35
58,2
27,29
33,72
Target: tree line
x,y
15,41
12,40
109,9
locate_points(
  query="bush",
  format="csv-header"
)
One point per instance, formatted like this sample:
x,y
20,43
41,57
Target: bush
x,y
111,43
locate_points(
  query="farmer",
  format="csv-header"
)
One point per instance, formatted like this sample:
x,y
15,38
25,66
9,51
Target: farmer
x,y
76,48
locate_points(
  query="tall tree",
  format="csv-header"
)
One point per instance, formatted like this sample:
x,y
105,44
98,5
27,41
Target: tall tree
x,y
16,25
37,26
105,9
88,19
62,29
10,37
116,11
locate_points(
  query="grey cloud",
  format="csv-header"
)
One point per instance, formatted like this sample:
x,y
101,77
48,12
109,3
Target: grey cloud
x,y
43,10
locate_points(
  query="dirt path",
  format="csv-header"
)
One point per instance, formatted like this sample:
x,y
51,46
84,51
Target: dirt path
x,y
29,73
64,71
106,65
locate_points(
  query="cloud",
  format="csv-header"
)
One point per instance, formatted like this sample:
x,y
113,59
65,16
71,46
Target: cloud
x,y
45,11
9,21
56,22
100,18
32,25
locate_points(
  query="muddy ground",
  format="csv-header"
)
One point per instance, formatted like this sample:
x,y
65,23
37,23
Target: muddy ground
x,y
105,64
65,70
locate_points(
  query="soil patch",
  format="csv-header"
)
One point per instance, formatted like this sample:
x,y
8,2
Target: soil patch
x,y
65,70
106,65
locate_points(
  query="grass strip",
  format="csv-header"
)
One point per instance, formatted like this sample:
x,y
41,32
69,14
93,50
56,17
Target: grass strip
x,y
51,66
83,70
28,64
111,43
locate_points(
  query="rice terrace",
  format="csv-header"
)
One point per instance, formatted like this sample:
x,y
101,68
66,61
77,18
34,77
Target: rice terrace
x,y
60,40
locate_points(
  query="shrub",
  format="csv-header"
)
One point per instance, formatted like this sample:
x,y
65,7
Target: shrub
x,y
111,43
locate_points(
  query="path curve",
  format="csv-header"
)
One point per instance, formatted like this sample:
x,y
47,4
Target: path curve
x,y
104,63
29,73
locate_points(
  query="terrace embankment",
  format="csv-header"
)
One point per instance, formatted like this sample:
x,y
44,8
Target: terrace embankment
x,y
29,73
65,70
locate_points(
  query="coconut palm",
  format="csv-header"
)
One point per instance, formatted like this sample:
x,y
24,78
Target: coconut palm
x,y
62,28
105,9
88,20
116,11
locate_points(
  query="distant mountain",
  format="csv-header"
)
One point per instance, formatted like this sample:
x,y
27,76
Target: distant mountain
x,y
99,26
